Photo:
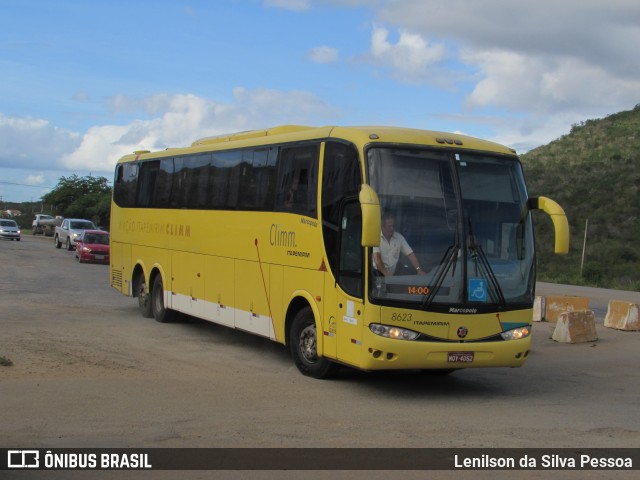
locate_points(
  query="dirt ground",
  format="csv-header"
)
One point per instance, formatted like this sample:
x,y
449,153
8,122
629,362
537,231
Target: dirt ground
x,y
88,371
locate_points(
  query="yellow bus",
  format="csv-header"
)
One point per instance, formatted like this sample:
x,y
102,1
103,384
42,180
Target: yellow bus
x,y
280,232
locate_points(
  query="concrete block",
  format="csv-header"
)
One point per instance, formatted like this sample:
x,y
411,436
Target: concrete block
x,y
622,315
560,304
538,309
575,327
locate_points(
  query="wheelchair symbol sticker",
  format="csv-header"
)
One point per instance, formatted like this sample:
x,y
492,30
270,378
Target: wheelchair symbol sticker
x,y
477,290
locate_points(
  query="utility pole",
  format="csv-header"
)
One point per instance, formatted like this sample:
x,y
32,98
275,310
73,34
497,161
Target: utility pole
x,y
584,245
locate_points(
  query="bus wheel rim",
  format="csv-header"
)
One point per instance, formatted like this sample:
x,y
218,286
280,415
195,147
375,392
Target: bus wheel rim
x,y
142,294
308,344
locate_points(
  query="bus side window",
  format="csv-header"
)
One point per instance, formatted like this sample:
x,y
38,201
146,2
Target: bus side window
x,y
162,193
247,181
199,180
257,179
179,179
147,183
126,183
224,179
298,180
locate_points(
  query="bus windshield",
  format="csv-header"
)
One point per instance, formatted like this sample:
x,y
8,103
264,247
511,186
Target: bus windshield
x,y
462,236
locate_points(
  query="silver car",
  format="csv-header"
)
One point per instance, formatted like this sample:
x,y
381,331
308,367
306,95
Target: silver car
x,y
9,229
70,231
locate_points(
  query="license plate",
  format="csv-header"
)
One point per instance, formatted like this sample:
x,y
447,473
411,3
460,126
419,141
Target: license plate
x,y
460,357
99,257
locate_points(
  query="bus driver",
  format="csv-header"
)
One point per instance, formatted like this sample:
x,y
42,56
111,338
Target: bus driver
x,y
392,244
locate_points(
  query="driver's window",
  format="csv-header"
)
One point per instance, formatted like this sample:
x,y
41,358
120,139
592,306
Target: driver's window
x,y
350,270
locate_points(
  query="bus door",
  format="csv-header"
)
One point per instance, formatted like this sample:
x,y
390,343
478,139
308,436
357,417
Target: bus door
x,y
344,307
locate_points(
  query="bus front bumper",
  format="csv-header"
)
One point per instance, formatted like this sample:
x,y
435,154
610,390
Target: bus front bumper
x,y
379,353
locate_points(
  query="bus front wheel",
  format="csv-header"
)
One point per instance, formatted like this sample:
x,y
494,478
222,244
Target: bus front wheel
x,y
303,342
160,312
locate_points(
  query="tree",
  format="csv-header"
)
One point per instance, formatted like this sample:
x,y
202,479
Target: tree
x,y
86,197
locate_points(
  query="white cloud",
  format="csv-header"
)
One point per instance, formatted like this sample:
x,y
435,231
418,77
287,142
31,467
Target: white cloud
x,y
98,150
411,57
324,54
33,142
35,179
81,97
542,55
175,121
295,5
536,67
583,28
517,82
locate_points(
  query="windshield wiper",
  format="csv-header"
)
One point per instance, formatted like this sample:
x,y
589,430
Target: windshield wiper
x,y
482,264
449,259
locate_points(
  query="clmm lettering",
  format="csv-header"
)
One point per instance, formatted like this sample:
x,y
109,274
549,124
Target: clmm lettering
x,y
178,230
281,238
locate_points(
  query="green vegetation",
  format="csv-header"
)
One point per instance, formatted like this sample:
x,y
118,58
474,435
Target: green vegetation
x,y
72,197
81,197
594,173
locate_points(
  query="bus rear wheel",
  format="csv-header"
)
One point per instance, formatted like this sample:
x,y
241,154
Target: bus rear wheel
x,y
144,300
303,342
160,312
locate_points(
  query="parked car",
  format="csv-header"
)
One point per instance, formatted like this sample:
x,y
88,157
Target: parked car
x,y
70,230
93,246
9,229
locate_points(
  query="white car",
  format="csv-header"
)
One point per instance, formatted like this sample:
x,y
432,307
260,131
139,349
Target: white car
x,y
9,229
70,230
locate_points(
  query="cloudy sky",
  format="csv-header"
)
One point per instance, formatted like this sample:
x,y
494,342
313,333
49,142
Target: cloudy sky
x,y
85,82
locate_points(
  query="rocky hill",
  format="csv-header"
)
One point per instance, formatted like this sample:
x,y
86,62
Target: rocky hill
x,y
594,173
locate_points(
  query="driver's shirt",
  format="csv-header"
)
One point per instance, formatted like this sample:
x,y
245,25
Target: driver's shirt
x,y
391,249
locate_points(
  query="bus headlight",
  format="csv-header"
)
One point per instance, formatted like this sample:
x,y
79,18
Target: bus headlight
x,y
517,333
393,332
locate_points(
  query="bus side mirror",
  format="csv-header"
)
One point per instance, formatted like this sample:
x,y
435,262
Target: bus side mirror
x,y
371,214
559,219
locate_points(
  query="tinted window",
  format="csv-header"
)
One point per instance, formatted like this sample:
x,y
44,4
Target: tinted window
x,y
297,180
341,178
82,225
190,181
125,183
257,179
162,191
96,239
350,276
224,179
147,183
238,179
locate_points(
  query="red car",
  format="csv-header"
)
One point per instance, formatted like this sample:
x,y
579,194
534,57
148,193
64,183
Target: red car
x,y
93,246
